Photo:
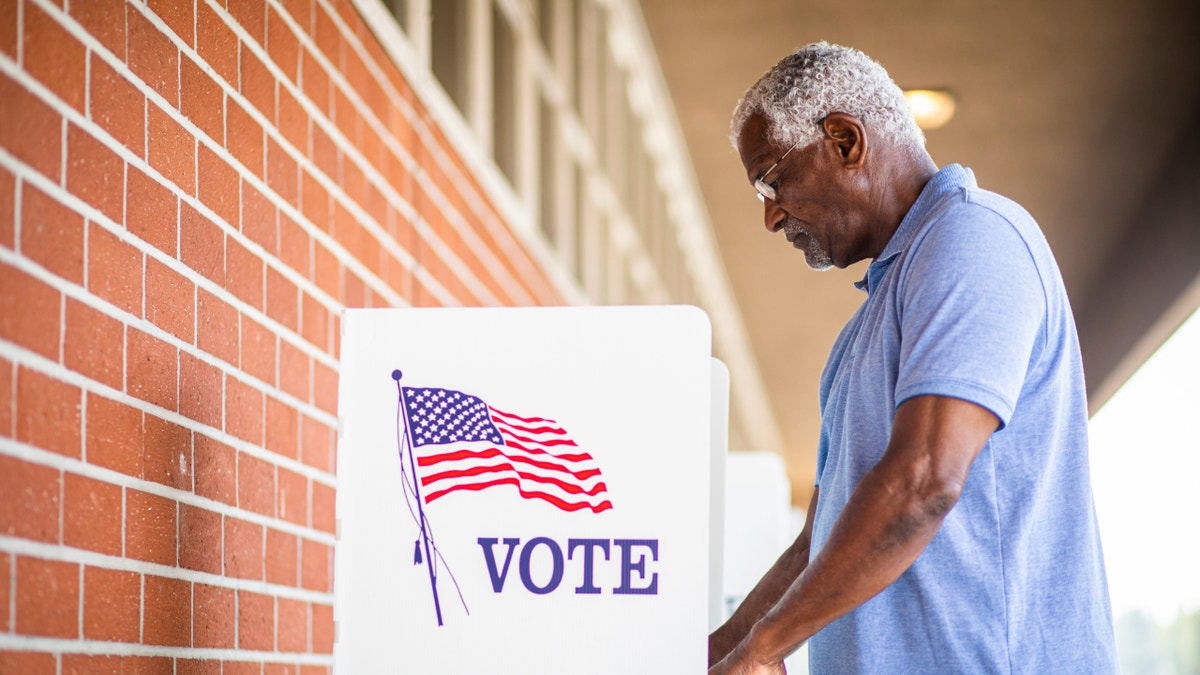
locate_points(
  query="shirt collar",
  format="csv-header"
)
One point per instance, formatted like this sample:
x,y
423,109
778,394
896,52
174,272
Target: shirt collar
x,y
949,179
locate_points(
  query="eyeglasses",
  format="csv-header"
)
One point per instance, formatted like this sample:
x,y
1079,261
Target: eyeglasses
x,y
767,190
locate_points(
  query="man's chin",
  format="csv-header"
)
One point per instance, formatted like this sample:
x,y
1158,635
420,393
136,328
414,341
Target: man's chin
x,y
818,261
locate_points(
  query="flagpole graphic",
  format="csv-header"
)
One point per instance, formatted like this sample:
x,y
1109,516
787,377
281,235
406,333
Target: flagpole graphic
x,y
416,486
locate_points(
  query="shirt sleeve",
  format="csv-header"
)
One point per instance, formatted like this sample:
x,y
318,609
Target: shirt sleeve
x,y
972,312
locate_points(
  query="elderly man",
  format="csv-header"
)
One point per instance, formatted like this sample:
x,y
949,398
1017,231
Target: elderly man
x,y
952,527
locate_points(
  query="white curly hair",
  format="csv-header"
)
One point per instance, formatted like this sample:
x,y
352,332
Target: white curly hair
x,y
819,79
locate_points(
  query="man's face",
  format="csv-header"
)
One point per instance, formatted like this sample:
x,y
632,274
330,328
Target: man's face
x,y
808,205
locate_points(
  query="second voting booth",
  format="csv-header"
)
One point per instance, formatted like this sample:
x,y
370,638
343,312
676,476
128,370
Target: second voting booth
x,y
528,490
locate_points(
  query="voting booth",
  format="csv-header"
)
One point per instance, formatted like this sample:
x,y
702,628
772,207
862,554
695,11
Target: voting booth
x,y
527,490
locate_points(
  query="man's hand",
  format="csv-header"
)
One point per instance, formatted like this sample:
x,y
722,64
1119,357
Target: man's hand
x,y
739,662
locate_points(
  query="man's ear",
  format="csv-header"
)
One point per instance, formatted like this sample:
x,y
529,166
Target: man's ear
x,y
848,136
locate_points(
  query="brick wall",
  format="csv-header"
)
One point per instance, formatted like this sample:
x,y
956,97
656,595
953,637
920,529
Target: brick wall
x,y
190,192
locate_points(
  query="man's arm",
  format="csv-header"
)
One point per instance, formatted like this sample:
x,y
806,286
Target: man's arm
x,y
892,516
766,592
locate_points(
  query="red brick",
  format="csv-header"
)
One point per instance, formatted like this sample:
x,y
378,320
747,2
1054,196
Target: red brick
x,y
150,369
280,668
151,212
114,435
282,300
112,604
346,117
7,398
197,666
5,590
28,663
325,387
324,502
29,312
178,15
294,366
199,539
244,138
216,43
201,100
283,173
314,201
117,106
92,514
301,12
30,508
258,350
8,45
217,327
315,82
51,234
218,186
283,555
243,274
282,428
256,621
172,150
322,629
94,344
201,391
216,470
294,245
241,668
170,298
167,612
201,244
48,413
243,549
293,497
258,84
293,626
243,411
327,36
166,453
150,527
306,669
256,485
315,444
30,129
213,619
327,271
316,566
152,56
8,209
258,219
114,270
251,14
54,57
292,120
47,598
84,664
105,20
95,174
315,322
324,154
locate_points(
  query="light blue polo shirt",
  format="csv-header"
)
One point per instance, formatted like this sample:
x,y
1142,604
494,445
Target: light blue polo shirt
x,y
967,301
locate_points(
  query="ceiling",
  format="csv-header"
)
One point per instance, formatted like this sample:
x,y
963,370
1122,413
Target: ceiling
x,y
1081,110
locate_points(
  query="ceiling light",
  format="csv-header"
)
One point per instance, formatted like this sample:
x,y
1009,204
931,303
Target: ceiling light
x,y
932,108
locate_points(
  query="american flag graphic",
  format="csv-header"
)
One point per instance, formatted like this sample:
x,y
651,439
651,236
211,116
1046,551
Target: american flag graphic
x,y
462,443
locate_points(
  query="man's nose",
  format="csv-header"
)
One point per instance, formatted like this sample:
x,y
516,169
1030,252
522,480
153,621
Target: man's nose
x,y
773,216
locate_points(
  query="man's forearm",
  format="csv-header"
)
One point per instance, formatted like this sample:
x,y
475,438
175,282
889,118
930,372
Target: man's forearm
x,y
766,592
893,514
